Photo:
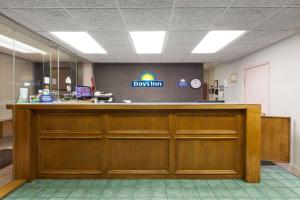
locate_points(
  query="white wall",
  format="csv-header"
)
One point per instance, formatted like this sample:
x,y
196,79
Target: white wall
x,y
284,60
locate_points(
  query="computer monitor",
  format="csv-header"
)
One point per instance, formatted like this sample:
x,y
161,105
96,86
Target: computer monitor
x,y
83,92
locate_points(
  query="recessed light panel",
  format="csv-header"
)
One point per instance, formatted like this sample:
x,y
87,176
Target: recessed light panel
x,y
148,42
18,46
216,40
81,41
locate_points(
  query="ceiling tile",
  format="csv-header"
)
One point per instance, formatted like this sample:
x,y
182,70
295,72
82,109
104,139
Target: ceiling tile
x,y
226,57
16,17
185,37
98,19
212,57
243,18
149,58
200,58
296,3
126,57
119,49
263,37
173,58
286,19
261,3
111,37
179,49
101,58
239,49
146,3
50,19
146,19
195,18
88,3
203,3
30,3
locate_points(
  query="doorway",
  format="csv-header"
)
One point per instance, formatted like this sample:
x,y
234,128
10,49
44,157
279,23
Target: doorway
x,y
257,86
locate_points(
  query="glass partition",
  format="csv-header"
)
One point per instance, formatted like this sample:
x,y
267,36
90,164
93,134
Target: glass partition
x,y
30,67
34,71
6,70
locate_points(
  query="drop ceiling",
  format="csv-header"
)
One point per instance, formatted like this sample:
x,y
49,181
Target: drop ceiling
x,y
186,23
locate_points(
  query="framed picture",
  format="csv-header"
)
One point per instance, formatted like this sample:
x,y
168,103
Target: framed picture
x,y
234,77
216,84
226,83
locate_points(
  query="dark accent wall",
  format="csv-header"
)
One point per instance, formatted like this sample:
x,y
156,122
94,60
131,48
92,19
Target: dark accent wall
x,y
117,78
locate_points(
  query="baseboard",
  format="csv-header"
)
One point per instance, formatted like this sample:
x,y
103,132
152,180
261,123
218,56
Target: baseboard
x,y
10,187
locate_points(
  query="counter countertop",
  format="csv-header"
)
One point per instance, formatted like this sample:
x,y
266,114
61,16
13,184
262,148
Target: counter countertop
x,y
159,105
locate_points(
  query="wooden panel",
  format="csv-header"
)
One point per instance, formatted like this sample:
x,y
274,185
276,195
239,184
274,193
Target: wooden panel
x,y
207,122
1,129
6,128
70,155
79,122
253,143
213,155
137,155
275,138
139,123
22,144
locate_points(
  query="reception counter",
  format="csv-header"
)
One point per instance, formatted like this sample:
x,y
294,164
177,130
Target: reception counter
x,y
137,141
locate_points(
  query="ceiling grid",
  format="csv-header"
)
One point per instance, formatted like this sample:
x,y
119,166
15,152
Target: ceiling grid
x,y
186,23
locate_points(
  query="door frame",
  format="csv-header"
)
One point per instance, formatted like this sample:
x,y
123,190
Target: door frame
x,y
269,83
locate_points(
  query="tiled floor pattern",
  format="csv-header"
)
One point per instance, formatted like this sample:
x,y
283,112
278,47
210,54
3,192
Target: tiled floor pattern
x,y
276,184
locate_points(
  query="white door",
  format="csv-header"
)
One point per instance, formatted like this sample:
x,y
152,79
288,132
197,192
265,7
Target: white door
x,y
257,86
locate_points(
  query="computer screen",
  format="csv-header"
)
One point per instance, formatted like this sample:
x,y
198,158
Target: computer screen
x,y
83,92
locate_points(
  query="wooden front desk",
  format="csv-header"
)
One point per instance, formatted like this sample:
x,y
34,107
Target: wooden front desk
x,y
137,141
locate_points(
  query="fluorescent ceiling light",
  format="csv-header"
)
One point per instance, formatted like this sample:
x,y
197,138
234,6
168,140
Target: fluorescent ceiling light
x,y
148,42
18,46
81,41
216,40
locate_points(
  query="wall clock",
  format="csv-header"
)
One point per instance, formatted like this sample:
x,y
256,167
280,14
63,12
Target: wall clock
x,y
195,83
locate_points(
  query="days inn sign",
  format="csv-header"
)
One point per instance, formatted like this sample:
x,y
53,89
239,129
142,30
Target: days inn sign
x,y
147,79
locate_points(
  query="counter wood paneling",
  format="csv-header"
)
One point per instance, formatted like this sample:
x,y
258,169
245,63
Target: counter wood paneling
x,y
137,141
275,138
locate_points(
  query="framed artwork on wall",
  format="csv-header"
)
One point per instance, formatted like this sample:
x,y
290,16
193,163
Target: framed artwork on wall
x,y
216,84
234,77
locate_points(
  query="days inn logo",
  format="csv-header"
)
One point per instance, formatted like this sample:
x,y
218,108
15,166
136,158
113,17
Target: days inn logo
x,y
147,79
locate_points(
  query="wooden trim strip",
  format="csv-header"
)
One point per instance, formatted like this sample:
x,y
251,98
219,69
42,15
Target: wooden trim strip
x,y
206,172
70,131
203,132
116,106
143,172
138,137
10,187
70,172
206,138
165,132
57,137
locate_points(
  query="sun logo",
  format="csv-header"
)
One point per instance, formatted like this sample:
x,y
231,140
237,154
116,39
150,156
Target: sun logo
x,y
147,77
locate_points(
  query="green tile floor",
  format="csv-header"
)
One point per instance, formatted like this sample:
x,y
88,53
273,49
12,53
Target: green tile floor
x,y
276,184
